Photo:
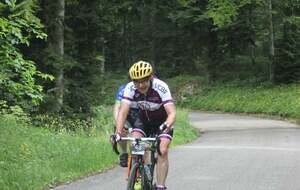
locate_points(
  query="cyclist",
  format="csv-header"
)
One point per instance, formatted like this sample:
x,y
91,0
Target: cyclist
x,y
133,114
156,110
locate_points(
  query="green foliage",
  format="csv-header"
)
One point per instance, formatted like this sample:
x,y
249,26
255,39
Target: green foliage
x,y
36,158
17,75
102,119
188,11
224,12
183,86
15,111
287,67
247,97
219,40
98,122
61,123
103,89
183,132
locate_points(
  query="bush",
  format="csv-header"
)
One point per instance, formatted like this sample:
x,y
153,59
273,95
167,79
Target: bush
x,y
15,111
100,121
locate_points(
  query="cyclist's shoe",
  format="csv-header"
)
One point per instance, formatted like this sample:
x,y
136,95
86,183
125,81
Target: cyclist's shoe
x,y
123,160
159,187
138,184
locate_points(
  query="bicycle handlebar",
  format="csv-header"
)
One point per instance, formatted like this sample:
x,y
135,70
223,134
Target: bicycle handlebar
x,y
162,127
115,146
138,139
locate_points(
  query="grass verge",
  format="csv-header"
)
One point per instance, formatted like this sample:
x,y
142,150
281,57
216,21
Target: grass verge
x,y
238,97
38,158
280,101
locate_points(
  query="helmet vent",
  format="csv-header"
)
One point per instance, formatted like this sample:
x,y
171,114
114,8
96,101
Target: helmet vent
x,y
140,70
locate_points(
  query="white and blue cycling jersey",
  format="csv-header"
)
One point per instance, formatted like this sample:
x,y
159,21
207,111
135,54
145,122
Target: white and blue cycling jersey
x,y
119,96
133,112
120,92
151,105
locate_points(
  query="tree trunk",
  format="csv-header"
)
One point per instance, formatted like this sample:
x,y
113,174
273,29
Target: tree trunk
x,y
271,48
153,52
59,47
252,36
102,64
213,55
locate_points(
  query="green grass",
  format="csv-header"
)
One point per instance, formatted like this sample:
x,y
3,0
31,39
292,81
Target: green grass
x,y
183,132
37,158
248,96
281,101
239,97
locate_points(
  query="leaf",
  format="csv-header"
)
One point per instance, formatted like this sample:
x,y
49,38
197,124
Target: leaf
x,y
10,3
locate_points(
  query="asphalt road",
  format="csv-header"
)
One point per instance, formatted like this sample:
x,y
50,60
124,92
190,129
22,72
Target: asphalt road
x,y
233,153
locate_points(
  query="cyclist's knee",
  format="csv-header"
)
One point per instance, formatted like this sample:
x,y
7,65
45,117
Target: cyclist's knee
x,y
164,146
136,134
164,150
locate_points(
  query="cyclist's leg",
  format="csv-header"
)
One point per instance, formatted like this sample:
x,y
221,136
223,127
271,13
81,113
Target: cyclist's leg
x,y
141,129
138,129
123,146
163,160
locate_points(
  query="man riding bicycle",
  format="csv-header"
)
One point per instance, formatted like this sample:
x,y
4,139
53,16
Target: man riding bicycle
x,y
156,111
131,117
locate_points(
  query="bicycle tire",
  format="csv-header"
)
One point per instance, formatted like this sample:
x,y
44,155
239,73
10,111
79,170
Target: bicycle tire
x,y
146,183
152,168
132,176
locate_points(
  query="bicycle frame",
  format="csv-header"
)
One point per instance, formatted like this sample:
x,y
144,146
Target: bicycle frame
x,y
140,146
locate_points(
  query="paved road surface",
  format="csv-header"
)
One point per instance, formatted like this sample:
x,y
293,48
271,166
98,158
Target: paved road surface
x,y
233,153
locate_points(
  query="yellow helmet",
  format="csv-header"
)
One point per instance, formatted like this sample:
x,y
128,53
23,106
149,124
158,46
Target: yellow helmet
x,y
139,70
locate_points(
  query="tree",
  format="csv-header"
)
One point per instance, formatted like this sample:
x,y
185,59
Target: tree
x,y
59,47
271,37
18,75
287,64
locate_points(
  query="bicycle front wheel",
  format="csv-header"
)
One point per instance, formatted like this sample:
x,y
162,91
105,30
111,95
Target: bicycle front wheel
x,y
146,182
132,179
138,179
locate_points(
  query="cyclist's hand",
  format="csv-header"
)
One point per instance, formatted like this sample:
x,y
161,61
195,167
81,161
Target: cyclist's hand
x,y
115,138
163,128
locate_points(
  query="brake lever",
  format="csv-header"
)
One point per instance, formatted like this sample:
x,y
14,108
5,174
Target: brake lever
x,y
114,144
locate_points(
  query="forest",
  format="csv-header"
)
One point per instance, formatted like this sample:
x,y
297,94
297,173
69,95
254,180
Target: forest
x,y
60,56
62,61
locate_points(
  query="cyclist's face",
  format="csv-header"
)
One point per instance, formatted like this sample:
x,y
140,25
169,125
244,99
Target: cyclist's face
x,y
142,85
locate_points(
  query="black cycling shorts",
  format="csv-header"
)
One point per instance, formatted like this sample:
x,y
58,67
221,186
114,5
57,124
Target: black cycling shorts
x,y
147,129
132,116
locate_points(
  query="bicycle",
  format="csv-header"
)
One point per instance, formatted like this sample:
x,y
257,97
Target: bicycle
x,y
139,170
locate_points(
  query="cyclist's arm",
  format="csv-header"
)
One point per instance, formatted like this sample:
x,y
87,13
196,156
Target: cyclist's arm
x,y
122,115
116,109
118,98
171,112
